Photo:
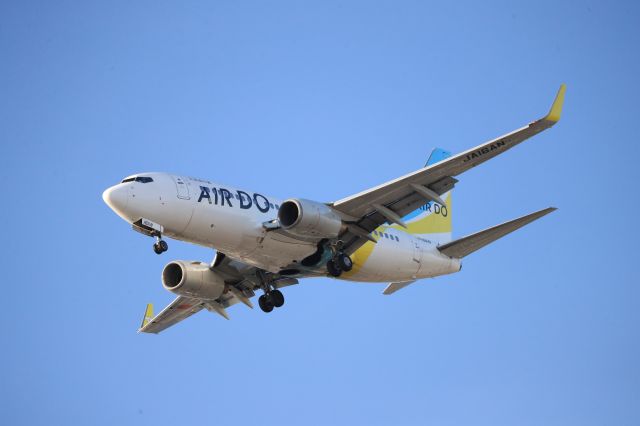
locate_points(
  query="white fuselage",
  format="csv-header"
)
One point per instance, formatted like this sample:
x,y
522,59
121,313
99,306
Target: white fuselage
x,y
231,220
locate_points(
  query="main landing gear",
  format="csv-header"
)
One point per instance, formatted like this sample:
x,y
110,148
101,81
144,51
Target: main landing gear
x,y
160,246
340,263
270,300
272,297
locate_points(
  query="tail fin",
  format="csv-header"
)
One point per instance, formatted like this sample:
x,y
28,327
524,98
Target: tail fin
x,y
432,220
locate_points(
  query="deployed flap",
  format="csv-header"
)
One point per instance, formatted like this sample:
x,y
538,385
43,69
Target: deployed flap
x,y
393,287
467,245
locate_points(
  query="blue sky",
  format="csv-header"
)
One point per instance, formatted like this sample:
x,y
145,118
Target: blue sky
x,y
321,101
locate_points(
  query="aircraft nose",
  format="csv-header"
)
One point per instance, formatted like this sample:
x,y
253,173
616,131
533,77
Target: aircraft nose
x,y
116,197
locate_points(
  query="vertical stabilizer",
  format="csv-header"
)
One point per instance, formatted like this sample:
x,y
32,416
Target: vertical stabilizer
x,y
432,220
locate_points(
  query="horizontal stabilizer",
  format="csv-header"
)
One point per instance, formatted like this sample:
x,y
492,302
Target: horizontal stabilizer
x,y
467,245
393,287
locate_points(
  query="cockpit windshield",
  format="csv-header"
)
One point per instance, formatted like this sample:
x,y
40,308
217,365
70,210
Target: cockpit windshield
x,y
141,179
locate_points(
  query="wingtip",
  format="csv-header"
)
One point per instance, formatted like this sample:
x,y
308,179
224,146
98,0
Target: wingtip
x,y
556,109
148,315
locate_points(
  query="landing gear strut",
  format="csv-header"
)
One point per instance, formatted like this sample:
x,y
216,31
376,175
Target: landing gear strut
x,y
160,246
272,297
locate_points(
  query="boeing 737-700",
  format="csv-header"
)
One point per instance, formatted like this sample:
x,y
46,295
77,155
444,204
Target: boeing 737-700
x,y
396,233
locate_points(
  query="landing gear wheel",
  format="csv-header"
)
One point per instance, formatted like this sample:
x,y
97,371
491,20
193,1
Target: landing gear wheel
x,y
265,303
276,298
333,269
160,247
344,262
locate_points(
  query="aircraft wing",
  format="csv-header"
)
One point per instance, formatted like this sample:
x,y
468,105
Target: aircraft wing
x,y
241,283
179,309
394,199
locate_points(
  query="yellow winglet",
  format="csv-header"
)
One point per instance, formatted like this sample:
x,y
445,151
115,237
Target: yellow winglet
x,y
148,315
556,108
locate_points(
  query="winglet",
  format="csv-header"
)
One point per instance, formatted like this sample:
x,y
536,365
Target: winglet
x,y
148,315
556,108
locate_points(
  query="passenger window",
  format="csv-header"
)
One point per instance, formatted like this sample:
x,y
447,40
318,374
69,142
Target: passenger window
x,y
397,239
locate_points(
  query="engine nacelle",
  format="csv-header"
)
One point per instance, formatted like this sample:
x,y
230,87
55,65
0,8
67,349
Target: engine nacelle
x,y
309,219
192,279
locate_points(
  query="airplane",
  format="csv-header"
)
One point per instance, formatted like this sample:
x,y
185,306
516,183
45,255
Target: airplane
x,y
397,233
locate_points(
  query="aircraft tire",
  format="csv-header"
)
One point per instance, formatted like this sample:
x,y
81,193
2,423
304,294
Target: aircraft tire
x,y
265,303
333,269
157,249
277,298
344,262
163,245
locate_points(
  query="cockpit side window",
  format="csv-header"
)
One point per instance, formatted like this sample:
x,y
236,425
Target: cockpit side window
x,y
141,179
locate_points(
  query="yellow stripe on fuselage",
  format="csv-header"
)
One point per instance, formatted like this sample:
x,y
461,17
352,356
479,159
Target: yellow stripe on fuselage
x,y
359,258
433,223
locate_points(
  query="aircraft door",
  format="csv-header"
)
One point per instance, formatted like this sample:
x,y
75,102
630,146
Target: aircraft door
x,y
181,187
417,253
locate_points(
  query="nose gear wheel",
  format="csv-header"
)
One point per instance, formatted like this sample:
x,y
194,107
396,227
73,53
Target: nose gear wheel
x,y
160,246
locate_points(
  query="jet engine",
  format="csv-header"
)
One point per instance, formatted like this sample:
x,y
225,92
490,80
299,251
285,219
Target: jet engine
x,y
192,279
308,218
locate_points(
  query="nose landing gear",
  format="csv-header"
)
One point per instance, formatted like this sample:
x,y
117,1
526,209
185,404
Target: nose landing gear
x,y
160,246
151,229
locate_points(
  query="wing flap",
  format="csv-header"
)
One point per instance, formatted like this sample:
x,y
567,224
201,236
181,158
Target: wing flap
x,y
466,245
